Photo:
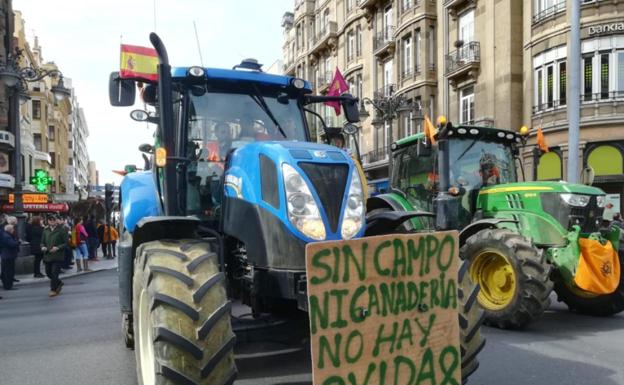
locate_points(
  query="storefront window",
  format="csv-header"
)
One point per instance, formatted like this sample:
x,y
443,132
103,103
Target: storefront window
x,y
549,167
606,160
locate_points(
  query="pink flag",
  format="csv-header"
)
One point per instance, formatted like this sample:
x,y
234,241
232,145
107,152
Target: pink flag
x,y
338,87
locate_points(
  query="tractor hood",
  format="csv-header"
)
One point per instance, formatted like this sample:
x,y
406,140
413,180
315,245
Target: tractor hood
x,y
538,187
258,172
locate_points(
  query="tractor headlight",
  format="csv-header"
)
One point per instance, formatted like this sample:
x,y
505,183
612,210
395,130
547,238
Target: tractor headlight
x,y
303,212
353,216
601,200
576,200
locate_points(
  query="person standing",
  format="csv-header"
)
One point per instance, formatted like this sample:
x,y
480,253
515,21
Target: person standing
x,y
33,235
53,244
92,239
80,240
9,247
112,242
101,231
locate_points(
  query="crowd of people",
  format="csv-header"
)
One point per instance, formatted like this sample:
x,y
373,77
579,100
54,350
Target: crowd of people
x,y
61,243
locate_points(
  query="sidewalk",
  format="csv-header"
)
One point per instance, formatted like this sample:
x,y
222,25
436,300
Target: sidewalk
x,y
102,264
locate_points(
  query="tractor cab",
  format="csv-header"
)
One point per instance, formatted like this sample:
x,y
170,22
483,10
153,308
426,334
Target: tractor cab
x,y
478,157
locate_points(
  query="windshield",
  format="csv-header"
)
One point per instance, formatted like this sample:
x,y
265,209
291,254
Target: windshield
x,y
219,122
477,163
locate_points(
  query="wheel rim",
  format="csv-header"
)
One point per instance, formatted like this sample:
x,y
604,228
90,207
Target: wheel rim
x,y
146,344
496,276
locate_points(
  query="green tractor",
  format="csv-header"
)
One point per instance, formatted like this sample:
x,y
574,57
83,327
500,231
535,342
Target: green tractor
x,y
522,240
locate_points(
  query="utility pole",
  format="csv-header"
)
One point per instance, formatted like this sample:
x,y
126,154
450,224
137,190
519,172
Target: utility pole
x,y
574,90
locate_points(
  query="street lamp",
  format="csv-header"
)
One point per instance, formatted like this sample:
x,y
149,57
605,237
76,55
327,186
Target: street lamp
x,y
387,107
16,78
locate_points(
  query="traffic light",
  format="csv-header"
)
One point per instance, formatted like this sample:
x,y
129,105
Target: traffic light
x,y
108,197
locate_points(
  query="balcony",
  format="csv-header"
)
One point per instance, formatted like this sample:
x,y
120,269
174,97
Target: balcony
x,y
325,37
323,81
377,155
549,13
304,7
7,140
463,61
43,156
454,4
384,41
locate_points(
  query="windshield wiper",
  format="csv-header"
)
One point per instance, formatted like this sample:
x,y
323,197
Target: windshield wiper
x,y
259,99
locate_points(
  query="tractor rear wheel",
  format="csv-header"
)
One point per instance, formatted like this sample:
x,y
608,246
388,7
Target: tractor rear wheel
x,y
596,305
513,275
471,318
182,328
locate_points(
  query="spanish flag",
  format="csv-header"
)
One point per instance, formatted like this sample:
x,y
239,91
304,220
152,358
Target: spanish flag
x,y
541,142
430,131
138,63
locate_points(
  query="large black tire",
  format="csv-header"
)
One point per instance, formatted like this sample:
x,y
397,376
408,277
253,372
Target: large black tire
x,y
599,305
471,318
530,273
182,329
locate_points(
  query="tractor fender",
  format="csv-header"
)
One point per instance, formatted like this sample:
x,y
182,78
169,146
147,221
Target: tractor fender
x,y
139,198
383,201
475,227
148,229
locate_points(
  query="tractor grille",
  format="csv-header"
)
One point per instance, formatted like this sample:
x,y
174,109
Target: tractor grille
x,y
330,182
588,218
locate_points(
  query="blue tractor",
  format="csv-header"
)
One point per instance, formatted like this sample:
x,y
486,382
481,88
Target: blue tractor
x,y
233,190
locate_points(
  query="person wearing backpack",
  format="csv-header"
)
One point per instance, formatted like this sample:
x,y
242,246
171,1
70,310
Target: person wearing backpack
x,y
79,242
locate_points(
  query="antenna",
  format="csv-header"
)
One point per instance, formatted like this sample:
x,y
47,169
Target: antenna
x,y
201,59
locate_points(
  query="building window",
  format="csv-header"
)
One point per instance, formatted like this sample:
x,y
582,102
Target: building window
x,y
466,105
588,81
432,47
53,160
358,86
604,76
417,51
349,4
51,133
432,106
407,56
562,83
406,5
606,160
37,142
466,27
350,46
358,41
550,86
549,166
36,109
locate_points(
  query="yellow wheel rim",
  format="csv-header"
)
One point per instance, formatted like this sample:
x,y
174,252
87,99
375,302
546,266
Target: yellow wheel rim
x,y
497,278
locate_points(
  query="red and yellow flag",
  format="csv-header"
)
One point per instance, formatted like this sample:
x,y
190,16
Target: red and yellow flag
x,y
541,142
430,130
138,63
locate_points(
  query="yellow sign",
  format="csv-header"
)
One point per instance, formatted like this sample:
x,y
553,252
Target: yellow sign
x,y
383,310
30,198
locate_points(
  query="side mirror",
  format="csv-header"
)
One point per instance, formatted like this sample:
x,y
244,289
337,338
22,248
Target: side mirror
x,y
146,148
423,149
587,176
350,107
121,92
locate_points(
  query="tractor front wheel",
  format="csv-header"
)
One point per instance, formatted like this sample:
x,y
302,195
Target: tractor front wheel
x,y
596,305
182,328
513,275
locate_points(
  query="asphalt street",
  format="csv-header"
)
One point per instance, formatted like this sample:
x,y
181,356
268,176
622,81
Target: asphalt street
x,y
75,339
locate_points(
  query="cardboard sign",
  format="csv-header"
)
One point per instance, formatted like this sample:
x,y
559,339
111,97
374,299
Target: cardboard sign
x,y
383,310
